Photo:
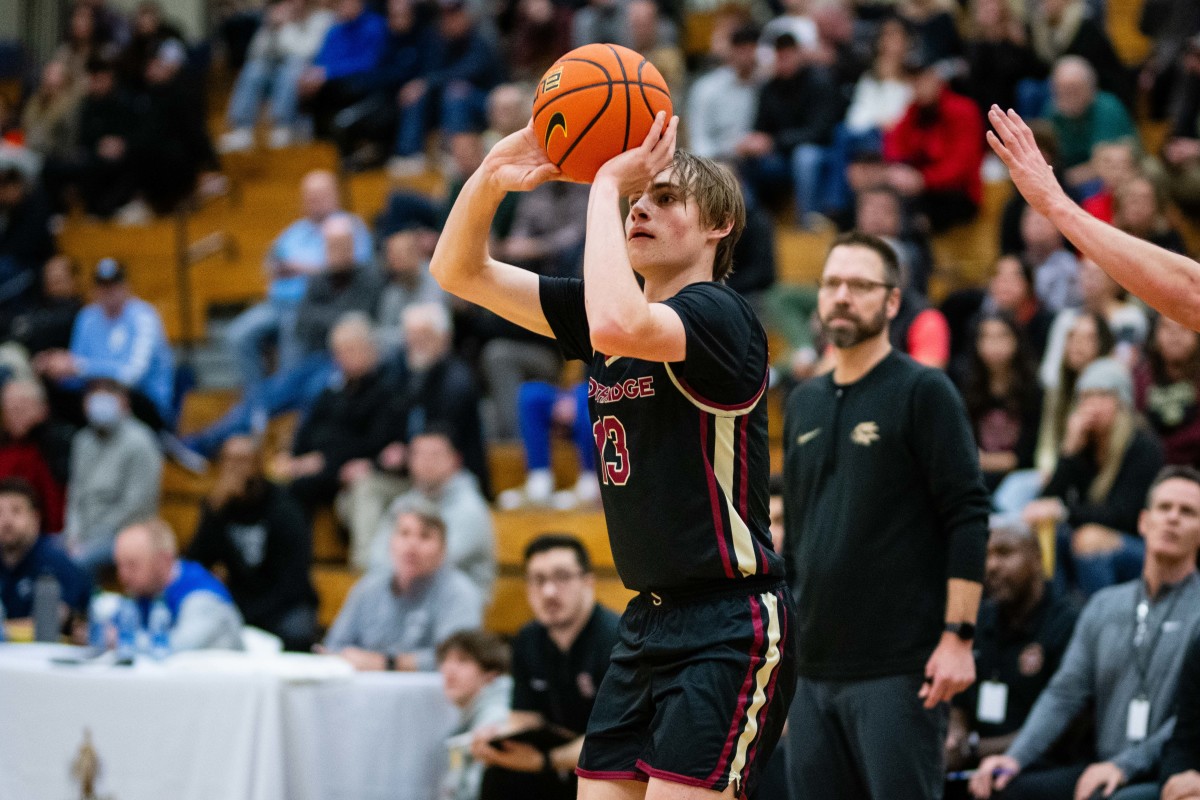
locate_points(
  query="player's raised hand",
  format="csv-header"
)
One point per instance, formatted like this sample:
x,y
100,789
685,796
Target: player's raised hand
x,y
636,167
1013,142
517,163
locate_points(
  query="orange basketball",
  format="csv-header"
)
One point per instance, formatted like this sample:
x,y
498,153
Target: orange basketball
x,y
596,102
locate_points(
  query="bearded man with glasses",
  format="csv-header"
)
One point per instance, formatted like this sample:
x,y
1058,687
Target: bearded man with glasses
x,y
885,520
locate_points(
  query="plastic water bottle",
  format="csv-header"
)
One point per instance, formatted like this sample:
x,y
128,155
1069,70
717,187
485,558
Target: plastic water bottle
x,y
47,596
160,631
129,623
102,611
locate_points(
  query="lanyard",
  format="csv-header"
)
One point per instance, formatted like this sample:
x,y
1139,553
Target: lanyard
x,y
1143,657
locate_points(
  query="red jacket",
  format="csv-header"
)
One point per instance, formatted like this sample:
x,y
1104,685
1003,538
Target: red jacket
x,y
948,151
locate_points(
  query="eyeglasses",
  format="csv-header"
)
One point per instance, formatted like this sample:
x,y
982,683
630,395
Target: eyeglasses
x,y
857,287
557,578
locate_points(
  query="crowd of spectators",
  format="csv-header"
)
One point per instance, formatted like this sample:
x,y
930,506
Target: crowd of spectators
x,y
834,113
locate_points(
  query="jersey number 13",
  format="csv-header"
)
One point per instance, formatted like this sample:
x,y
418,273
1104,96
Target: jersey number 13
x,y
614,459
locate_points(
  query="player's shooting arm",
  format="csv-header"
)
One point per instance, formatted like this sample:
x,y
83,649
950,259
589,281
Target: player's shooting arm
x,y
621,320
463,266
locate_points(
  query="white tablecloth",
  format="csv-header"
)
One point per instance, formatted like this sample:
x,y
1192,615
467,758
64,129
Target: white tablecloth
x,y
219,727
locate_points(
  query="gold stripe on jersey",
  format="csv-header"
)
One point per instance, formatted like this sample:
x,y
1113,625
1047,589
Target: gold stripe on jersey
x,y
761,681
724,459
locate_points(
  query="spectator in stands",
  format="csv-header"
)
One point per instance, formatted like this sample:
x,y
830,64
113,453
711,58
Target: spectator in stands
x,y
116,469
257,533
365,131
547,230
437,479
48,325
285,44
203,616
451,94
798,109
474,667
35,447
1083,117
839,49
86,38
1167,389
1103,296
1181,757
1125,664
1087,338
25,556
540,33
408,284
170,143
344,422
795,19
1022,633
25,238
559,661
1181,152
934,28
50,119
434,387
935,151
1055,268
296,255
1062,29
881,97
998,55
722,102
149,31
338,75
650,33
120,337
1139,209
395,619
1012,290
542,408
1003,398
1115,163
104,172
881,211
1106,462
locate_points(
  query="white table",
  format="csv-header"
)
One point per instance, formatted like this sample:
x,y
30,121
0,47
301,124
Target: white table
x,y
219,727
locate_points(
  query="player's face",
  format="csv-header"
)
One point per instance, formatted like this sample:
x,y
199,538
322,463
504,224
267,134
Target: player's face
x,y
854,302
663,228
1171,525
559,591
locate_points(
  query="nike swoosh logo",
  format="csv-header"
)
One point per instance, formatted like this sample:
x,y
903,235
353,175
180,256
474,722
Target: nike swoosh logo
x,y
557,120
805,438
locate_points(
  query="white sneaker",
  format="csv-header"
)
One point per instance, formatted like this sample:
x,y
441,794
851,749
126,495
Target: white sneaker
x,y
405,166
281,137
135,213
236,141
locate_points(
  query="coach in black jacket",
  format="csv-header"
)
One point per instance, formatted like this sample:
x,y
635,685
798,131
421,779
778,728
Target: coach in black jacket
x,y
885,515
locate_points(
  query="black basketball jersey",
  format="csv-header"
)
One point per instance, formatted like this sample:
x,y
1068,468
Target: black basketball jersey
x,y
681,448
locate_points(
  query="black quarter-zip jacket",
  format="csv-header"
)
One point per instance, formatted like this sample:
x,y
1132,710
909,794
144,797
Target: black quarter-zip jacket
x,y
883,502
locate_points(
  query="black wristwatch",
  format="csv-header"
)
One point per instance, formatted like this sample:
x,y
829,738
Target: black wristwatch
x,y
389,662
963,630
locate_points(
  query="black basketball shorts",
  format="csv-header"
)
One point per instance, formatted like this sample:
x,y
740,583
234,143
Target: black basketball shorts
x,y
698,689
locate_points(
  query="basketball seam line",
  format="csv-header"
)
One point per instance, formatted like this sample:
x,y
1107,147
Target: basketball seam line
x,y
575,89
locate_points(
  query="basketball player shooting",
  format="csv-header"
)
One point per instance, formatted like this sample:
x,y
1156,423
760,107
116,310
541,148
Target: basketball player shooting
x,y
699,684
1168,282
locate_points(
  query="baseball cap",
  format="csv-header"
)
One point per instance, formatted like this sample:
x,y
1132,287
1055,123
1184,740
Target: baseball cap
x,y
108,271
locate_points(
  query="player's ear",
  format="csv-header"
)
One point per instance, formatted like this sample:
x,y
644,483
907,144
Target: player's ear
x,y
722,230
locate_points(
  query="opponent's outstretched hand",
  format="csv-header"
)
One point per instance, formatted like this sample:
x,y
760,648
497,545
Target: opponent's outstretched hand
x,y
635,168
517,163
1013,142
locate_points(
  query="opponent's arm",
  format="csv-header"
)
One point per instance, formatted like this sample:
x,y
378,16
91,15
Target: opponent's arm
x,y
1167,281
461,262
621,321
